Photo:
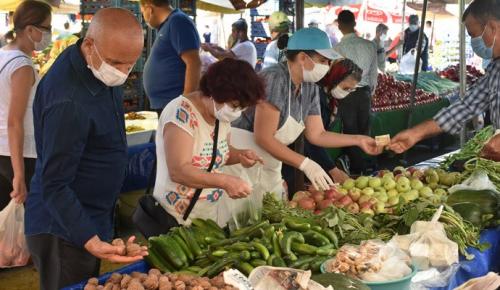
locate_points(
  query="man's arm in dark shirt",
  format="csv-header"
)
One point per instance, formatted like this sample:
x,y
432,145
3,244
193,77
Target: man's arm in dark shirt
x,y
65,132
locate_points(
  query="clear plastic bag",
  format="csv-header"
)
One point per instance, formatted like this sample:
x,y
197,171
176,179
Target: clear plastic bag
x,y
265,277
477,181
489,282
13,248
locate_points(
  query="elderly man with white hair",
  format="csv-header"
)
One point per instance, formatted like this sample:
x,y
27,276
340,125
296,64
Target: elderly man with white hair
x,y
82,152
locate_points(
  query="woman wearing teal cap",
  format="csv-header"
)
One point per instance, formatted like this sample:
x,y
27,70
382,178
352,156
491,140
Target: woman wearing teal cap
x,y
292,106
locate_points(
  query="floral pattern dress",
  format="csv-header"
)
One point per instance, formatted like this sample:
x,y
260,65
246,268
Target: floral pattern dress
x,y
175,197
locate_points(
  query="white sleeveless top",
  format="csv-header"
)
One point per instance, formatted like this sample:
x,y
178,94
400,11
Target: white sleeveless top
x,y
17,60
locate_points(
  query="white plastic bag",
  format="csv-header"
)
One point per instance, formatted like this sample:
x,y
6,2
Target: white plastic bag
x,y
265,278
428,244
408,61
13,248
478,180
488,282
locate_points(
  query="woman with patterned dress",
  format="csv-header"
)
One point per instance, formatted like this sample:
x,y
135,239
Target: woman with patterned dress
x,y
185,139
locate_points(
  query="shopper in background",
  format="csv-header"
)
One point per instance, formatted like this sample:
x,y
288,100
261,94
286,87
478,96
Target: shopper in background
x,y
207,35
333,32
354,109
410,41
18,80
272,56
174,66
7,38
482,19
429,31
292,106
82,152
185,143
342,78
242,48
379,41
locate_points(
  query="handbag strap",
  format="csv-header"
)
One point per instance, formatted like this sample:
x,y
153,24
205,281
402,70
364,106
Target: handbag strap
x,y
10,60
198,191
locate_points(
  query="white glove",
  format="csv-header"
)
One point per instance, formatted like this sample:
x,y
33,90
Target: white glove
x,y
319,178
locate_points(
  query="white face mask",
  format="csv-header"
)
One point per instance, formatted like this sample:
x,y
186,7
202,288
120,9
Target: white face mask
x,y
383,38
108,74
44,42
316,74
226,113
413,27
339,93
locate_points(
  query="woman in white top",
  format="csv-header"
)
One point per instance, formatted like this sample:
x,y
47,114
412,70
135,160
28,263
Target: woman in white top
x,y
18,81
184,142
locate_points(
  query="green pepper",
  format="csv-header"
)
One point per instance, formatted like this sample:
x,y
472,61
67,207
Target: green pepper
x,y
288,238
278,262
330,234
245,268
303,249
245,255
305,260
316,264
276,245
219,253
296,226
255,255
258,262
264,253
219,266
315,238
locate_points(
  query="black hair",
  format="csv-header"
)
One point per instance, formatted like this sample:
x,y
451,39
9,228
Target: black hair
x,y
483,10
240,25
292,54
158,3
428,22
413,19
381,28
346,17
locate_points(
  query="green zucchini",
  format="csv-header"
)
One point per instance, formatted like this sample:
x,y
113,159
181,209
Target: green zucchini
x,y
168,248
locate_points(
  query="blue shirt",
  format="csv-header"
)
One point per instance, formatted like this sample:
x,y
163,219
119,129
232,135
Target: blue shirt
x,y
164,71
82,153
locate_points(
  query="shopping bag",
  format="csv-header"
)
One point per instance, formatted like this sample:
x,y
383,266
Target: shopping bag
x,y
407,64
13,248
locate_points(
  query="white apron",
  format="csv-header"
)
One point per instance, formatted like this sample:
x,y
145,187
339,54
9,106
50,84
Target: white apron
x,y
263,178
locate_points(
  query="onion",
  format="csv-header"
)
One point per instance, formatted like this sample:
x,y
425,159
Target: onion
x,y
307,203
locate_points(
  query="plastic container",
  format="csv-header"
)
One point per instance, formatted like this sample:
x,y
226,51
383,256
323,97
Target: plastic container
x,y
400,284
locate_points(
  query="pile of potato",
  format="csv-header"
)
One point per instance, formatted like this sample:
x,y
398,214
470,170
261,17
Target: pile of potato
x,y
155,280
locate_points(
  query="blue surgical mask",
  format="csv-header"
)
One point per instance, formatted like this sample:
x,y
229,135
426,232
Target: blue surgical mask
x,y
413,27
480,48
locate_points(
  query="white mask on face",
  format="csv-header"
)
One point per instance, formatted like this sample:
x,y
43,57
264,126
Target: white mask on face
x,y
316,74
413,27
226,113
44,42
383,37
108,74
339,93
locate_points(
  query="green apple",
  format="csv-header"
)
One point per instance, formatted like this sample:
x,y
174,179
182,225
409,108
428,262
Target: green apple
x,y
362,182
425,192
380,189
364,199
440,192
343,191
399,168
389,184
393,193
431,176
368,191
410,195
433,185
349,184
436,200
392,201
416,184
403,180
403,187
375,182
388,176
381,196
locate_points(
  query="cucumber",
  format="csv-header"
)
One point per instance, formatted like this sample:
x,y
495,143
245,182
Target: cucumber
x,y
315,238
296,226
155,260
190,241
305,260
264,252
278,262
245,268
258,263
168,248
183,245
286,242
255,255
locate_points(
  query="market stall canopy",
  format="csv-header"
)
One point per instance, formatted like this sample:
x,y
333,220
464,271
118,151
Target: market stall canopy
x,y
228,6
380,11
59,6
324,3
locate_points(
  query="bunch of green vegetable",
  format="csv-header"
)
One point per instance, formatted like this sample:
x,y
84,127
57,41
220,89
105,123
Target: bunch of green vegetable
x,y
471,149
491,167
